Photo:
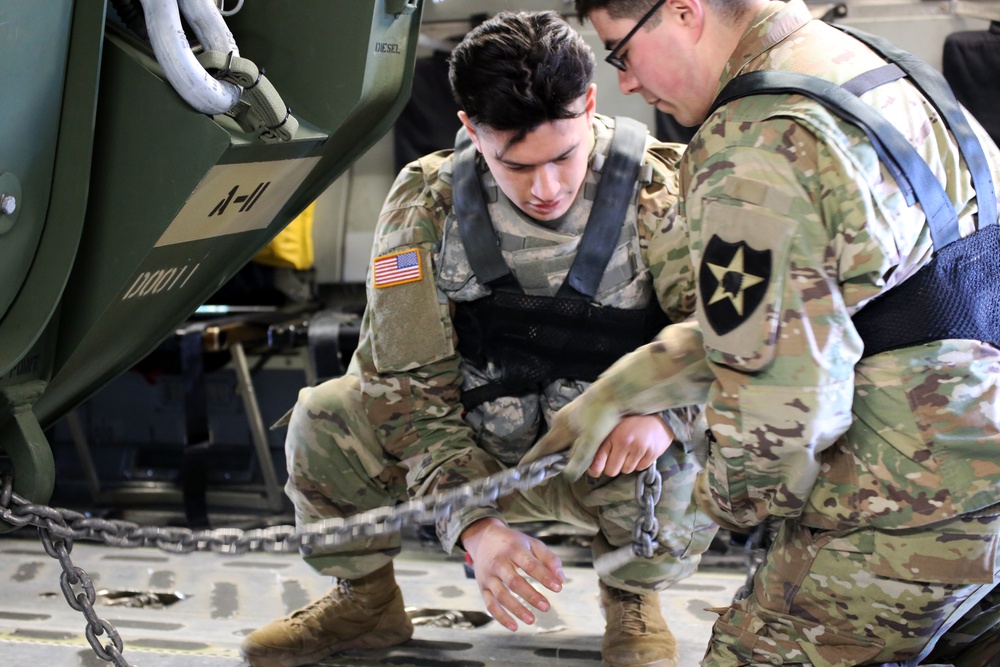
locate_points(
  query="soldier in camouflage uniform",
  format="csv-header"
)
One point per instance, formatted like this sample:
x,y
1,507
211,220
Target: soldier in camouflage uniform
x,y
403,420
877,450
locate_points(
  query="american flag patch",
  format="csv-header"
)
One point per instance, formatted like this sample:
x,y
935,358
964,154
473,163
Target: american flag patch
x,y
396,268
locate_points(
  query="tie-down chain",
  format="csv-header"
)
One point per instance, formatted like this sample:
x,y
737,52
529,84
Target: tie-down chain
x,y
58,528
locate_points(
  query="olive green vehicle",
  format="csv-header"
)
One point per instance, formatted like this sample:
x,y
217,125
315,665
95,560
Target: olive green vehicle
x,y
123,206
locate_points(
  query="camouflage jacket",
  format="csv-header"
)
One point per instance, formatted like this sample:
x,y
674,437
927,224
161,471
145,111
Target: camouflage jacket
x,y
795,226
411,375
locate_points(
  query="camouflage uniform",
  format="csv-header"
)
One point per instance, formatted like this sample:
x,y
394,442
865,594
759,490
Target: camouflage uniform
x,y
395,425
886,469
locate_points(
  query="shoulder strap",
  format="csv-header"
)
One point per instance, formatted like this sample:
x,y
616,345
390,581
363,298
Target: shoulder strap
x,y
907,167
937,91
909,170
474,224
611,202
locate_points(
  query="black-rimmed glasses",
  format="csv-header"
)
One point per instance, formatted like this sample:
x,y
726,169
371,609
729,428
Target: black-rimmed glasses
x,y
617,60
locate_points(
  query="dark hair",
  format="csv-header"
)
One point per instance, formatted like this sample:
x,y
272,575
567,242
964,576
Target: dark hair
x,y
517,71
731,11
616,9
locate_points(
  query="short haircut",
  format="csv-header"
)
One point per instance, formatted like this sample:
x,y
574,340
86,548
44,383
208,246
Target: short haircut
x,y
730,10
616,9
515,71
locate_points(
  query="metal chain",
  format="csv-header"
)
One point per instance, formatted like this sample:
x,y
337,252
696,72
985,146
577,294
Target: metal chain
x,y
648,488
278,539
72,575
67,525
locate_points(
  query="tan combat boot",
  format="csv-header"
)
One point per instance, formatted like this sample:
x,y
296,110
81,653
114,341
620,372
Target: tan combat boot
x,y
360,613
635,634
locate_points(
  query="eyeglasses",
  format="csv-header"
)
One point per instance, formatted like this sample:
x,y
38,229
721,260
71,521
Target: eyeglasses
x,y
614,58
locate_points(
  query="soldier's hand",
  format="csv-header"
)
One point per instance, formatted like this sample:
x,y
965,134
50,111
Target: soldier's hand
x,y
501,556
634,444
670,372
581,427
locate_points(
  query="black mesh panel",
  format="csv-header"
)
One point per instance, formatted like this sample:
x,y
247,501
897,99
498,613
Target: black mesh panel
x,y
954,296
534,340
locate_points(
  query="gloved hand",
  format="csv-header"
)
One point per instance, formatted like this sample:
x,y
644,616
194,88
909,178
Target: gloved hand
x,y
633,445
670,372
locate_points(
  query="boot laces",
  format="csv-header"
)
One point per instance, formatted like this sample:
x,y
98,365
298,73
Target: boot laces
x,y
316,609
633,612
345,589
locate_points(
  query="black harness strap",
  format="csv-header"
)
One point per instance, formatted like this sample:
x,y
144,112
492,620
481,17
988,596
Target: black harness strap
x,y
873,78
937,91
611,203
907,167
474,224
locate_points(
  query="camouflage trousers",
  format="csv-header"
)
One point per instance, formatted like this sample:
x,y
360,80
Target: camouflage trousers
x,y
837,599
337,468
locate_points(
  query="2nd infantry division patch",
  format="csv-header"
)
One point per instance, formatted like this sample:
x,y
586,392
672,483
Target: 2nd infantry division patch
x,y
732,280
396,268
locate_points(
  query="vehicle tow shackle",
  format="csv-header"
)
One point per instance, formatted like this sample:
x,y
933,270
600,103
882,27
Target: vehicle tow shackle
x,y
24,442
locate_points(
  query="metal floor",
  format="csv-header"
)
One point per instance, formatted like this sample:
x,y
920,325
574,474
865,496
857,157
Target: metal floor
x,y
221,598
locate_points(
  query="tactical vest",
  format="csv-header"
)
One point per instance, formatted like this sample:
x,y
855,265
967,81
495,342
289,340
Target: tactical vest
x,y
957,294
535,305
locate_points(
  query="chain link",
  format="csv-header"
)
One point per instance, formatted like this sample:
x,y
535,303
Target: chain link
x,y
73,576
58,528
648,488
72,525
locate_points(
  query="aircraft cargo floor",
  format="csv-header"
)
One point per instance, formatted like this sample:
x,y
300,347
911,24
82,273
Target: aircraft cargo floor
x,y
192,610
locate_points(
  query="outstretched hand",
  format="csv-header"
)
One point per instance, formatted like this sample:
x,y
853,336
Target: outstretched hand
x,y
501,557
634,444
